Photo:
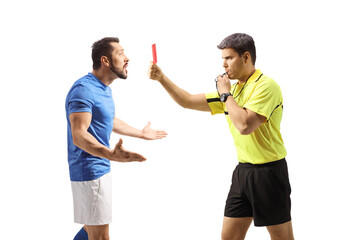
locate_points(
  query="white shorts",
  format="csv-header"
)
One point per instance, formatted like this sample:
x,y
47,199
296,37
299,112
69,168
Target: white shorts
x,y
93,201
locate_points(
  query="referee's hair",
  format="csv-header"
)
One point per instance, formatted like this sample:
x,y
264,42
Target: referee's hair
x,y
101,48
241,43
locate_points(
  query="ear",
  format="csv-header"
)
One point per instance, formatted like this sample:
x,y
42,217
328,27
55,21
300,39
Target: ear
x,y
246,57
105,60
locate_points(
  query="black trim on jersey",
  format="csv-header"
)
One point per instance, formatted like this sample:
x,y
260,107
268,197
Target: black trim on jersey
x,y
245,85
209,100
280,104
259,78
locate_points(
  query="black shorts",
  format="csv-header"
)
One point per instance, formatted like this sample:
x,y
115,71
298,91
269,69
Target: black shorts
x,y
260,191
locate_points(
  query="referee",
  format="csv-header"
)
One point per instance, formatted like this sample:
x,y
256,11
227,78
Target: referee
x,y
253,107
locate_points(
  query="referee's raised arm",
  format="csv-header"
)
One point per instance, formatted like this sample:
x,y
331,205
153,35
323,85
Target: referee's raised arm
x,y
180,96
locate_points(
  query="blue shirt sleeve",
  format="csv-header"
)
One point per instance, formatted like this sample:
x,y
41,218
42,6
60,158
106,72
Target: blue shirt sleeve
x,y
80,99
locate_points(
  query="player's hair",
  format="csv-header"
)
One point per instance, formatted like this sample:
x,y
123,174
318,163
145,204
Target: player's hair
x,y
241,43
101,48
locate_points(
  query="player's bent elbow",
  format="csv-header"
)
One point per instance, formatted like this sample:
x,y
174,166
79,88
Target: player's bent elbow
x,y
76,142
76,138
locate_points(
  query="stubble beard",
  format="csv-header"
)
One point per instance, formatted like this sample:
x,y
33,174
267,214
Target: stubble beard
x,y
120,74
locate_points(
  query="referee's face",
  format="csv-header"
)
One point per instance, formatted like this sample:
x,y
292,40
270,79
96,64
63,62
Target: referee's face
x,y
233,63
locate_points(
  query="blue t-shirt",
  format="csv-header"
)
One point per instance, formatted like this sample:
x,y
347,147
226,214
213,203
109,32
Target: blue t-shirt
x,y
89,94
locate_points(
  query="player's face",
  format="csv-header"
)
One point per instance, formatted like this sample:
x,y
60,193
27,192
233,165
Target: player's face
x,y
119,61
233,63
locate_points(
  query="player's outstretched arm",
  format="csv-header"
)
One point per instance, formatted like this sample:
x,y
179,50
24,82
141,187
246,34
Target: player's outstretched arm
x,y
120,154
180,96
147,133
80,123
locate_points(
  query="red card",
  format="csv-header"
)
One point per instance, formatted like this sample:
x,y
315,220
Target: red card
x,y
154,53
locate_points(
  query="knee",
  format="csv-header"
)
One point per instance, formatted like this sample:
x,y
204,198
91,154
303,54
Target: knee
x,y
98,233
105,237
229,236
281,237
102,236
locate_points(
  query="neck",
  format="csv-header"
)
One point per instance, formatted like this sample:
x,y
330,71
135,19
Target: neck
x,y
246,76
104,77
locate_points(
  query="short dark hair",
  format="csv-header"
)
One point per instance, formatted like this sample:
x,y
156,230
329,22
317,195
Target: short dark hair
x,y
102,48
241,43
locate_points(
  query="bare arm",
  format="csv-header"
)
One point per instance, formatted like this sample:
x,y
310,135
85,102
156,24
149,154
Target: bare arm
x,y
121,127
80,123
180,96
245,120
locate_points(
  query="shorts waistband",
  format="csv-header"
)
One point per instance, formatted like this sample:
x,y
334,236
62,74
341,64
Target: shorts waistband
x,y
250,165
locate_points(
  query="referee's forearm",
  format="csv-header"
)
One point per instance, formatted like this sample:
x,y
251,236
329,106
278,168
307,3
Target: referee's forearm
x,y
238,115
179,95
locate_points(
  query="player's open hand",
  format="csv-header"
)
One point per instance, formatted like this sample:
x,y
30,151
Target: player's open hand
x,y
119,154
151,134
155,72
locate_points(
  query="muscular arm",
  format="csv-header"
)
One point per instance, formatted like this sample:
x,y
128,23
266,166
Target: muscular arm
x,y
121,127
179,95
245,120
147,133
80,123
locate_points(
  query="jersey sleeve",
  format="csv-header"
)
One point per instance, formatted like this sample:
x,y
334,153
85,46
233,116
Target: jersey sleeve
x,y
80,100
265,99
215,105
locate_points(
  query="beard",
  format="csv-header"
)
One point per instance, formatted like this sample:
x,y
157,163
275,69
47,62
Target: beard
x,y
121,74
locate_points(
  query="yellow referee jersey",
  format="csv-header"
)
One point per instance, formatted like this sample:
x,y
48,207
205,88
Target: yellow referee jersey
x,y
260,94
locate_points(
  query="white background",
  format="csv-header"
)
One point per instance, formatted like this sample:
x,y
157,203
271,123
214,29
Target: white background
x,y
311,48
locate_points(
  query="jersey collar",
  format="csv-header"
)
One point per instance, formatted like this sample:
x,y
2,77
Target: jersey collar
x,y
255,76
100,83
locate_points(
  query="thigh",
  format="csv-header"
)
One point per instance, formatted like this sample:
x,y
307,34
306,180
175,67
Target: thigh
x,y
270,195
281,232
235,228
96,232
93,201
237,203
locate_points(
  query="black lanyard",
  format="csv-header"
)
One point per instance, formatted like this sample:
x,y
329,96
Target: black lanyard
x,y
244,86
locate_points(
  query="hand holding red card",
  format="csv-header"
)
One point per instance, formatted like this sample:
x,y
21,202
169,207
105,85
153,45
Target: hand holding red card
x,y
154,53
